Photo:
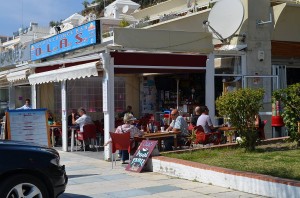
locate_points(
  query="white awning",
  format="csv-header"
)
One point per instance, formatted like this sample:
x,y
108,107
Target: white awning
x,y
3,81
68,73
17,75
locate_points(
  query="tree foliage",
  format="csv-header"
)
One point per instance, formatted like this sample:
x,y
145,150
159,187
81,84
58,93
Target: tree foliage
x,y
241,106
55,23
290,97
124,23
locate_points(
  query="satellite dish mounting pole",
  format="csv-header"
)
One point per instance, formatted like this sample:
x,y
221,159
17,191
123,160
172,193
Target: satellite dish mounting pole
x,y
214,31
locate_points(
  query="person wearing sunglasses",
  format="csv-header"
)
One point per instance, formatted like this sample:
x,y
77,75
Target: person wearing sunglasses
x,y
178,124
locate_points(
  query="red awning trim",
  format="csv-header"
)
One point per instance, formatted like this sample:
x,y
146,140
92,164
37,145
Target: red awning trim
x,y
161,60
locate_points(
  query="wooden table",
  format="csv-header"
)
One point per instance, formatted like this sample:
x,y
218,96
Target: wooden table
x,y
52,127
159,136
225,129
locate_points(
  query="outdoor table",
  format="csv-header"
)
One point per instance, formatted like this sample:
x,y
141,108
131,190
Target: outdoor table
x,y
225,129
159,136
52,127
73,129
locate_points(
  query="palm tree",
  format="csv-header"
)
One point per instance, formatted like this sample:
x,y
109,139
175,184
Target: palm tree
x,y
85,4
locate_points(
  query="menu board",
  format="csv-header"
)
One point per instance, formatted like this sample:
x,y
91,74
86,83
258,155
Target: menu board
x,y
28,125
141,155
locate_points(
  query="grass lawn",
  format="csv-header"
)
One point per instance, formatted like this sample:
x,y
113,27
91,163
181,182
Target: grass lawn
x,y
279,160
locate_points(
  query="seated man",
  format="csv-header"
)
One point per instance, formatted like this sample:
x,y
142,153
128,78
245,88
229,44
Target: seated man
x,y
27,105
82,120
178,124
204,120
195,116
128,110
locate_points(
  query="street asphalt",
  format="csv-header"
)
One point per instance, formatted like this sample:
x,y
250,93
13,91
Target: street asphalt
x,y
91,176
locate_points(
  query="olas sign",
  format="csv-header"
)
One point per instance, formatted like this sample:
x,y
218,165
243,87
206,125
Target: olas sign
x,y
81,36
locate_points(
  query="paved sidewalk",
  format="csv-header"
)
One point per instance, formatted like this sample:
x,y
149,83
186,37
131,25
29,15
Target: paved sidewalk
x,y
90,176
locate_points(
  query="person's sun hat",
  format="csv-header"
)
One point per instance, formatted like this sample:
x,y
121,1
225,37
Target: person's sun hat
x,y
128,117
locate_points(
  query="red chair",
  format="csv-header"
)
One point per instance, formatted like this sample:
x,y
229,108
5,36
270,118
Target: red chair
x,y
120,141
261,130
191,127
206,138
89,133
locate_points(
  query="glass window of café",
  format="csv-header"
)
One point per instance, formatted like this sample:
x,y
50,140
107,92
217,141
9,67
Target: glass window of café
x,y
188,88
228,75
87,93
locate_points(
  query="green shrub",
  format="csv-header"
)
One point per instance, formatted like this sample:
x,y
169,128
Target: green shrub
x,y
290,97
241,106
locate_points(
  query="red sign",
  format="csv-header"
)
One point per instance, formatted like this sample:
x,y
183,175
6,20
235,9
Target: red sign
x,y
141,155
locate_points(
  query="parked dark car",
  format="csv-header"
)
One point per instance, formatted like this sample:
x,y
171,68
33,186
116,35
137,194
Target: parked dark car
x,y
30,170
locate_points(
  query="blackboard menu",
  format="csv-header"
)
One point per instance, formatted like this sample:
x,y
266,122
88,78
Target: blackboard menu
x,y
28,125
141,155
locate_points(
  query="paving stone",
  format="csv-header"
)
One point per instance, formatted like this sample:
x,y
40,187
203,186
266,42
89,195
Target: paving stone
x,y
91,177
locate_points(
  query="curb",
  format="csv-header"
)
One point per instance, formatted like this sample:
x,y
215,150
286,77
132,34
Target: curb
x,y
254,183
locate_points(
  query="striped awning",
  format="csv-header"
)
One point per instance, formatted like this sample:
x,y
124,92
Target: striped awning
x,y
18,75
67,73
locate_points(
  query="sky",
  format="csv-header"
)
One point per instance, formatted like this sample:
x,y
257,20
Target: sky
x,y
14,13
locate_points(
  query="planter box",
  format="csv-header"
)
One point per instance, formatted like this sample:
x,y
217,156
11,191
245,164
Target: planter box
x,y
243,181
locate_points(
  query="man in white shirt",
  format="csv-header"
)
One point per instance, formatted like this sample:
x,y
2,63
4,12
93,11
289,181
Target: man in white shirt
x,y
204,120
26,105
82,120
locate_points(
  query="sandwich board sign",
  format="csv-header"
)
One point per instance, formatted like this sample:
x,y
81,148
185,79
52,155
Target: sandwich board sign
x,y
30,125
141,155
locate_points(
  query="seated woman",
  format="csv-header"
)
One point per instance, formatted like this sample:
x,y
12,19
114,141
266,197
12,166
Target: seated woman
x,y
259,124
50,117
56,131
127,127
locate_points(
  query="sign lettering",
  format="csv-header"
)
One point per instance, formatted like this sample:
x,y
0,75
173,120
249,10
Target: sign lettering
x,y
141,155
78,37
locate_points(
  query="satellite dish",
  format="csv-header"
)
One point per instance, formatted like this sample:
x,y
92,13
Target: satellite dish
x,y
92,16
225,18
125,9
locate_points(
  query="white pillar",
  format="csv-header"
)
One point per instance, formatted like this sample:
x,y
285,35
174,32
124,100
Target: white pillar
x,y
210,86
108,100
33,96
63,116
177,90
